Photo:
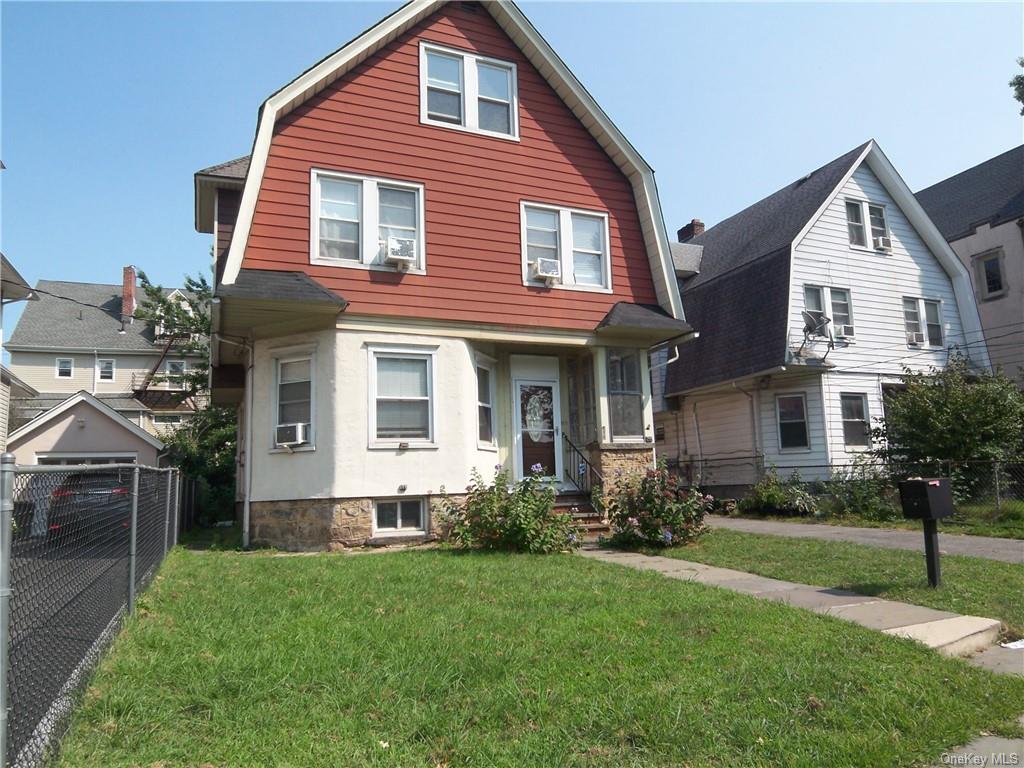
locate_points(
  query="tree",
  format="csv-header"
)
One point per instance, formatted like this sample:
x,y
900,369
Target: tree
x,y
1017,83
204,446
953,414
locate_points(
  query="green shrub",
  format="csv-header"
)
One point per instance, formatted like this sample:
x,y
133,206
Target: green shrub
x,y
772,496
655,509
510,517
863,490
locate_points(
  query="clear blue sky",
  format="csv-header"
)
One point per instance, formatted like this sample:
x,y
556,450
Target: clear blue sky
x,y
109,108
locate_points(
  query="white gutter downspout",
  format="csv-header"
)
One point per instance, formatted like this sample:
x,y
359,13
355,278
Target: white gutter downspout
x,y
247,439
753,419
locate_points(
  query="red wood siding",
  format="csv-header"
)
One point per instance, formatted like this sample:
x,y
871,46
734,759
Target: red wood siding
x,y
369,123
228,201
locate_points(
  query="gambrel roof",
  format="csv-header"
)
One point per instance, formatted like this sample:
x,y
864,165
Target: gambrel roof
x,y
547,62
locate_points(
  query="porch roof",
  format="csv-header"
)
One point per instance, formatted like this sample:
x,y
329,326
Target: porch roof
x,y
648,321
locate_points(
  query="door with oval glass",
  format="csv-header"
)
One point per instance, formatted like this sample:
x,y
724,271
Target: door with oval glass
x,y
538,433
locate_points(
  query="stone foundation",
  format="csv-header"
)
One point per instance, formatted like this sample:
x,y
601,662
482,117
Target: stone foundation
x,y
304,525
616,461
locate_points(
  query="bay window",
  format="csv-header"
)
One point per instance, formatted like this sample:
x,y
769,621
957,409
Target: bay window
x,y
401,392
485,397
294,399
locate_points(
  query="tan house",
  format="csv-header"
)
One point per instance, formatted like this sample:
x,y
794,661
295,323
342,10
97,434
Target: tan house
x,y
980,212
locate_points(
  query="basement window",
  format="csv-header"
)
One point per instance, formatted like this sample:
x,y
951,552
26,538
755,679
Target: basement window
x,y
398,516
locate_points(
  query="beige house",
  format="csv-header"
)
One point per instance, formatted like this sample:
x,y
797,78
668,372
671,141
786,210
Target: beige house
x,y
981,213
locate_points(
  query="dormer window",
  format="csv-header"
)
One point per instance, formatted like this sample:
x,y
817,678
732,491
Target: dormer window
x,y
468,92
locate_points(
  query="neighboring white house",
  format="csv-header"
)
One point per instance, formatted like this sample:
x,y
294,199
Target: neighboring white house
x,y
808,305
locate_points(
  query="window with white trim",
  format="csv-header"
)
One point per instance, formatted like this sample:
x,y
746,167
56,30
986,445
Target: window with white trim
x,y
105,370
989,275
817,297
174,370
791,412
402,386
625,394
294,397
468,91
854,408
167,418
865,223
576,240
366,222
922,319
396,516
485,386
65,367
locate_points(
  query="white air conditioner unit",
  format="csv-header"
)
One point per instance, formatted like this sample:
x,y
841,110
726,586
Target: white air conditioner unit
x,y
401,251
548,270
883,243
290,435
844,331
915,339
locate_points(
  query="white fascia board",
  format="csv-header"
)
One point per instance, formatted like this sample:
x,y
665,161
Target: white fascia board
x,y
550,66
73,400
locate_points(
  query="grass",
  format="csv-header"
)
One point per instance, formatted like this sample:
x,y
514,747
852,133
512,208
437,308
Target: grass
x,y
970,585
431,658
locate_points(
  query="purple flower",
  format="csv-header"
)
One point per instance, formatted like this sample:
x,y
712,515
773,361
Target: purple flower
x,y
667,535
537,468
497,467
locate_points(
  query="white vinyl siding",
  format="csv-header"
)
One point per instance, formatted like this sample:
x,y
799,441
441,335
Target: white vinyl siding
x,y
354,218
105,369
578,240
65,368
468,92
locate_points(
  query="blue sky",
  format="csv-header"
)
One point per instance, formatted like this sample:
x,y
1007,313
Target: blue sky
x,y
109,108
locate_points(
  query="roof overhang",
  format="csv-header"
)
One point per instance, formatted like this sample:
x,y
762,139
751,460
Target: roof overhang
x,y
206,186
18,387
548,64
15,288
83,397
641,322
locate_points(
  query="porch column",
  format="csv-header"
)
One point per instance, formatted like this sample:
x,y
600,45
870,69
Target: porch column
x,y
604,417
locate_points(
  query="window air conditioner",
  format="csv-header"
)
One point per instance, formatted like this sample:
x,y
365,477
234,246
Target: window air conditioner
x,y
844,331
401,251
548,270
915,339
290,435
883,243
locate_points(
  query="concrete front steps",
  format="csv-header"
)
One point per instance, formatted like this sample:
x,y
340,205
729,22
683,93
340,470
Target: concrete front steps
x,y
948,633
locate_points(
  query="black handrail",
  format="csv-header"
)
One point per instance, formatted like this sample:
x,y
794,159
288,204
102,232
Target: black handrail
x,y
578,469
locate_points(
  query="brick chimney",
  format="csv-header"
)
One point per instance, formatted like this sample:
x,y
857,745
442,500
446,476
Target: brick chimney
x,y
128,301
690,231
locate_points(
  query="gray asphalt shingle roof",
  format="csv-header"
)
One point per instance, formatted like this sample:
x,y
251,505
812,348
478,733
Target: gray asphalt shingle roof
x,y
232,169
79,316
275,285
992,192
744,269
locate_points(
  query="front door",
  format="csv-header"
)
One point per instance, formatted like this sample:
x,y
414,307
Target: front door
x,y
538,433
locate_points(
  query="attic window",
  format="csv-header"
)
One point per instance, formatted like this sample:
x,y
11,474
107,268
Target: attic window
x,y
468,92
867,225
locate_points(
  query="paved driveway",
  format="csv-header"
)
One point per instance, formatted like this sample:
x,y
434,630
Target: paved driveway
x,y
1006,550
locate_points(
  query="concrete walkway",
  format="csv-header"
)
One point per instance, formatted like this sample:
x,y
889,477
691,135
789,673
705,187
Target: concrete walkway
x,y
1006,550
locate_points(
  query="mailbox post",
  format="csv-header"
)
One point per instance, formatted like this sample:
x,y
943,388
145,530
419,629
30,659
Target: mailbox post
x,y
928,500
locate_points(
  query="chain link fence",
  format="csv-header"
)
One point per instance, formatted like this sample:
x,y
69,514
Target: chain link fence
x,y
78,543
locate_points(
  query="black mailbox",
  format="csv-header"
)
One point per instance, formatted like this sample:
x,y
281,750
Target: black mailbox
x,y
926,499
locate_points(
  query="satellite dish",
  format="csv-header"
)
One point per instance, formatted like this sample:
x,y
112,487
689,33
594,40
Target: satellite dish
x,y
815,322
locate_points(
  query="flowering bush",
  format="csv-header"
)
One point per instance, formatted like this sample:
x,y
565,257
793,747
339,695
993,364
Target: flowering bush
x,y
513,517
772,496
655,509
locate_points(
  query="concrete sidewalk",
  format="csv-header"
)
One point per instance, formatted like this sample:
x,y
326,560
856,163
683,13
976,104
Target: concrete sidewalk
x,y
990,548
948,633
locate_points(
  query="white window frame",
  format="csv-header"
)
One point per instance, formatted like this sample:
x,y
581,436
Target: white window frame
x,y
414,352
293,356
865,216
171,383
867,421
490,365
99,368
158,416
997,255
778,422
377,531
369,221
922,321
565,248
825,295
470,91
638,353
56,367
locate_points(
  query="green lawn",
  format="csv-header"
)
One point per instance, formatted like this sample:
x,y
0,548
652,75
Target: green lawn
x,y
970,585
430,658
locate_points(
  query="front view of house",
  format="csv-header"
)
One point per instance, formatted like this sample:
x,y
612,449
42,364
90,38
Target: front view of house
x,y
440,257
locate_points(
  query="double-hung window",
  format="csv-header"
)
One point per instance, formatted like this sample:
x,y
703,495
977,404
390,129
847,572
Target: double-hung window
x,y
866,224
575,241
792,419
366,222
485,403
854,406
105,370
817,297
295,398
464,90
174,370
625,394
989,274
922,319
401,391
65,367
